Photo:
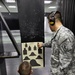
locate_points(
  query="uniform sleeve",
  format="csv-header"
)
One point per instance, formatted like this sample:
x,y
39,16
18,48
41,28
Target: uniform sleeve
x,y
65,55
48,44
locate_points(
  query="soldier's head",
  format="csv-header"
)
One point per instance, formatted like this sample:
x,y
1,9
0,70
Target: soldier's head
x,y
25,68
54,19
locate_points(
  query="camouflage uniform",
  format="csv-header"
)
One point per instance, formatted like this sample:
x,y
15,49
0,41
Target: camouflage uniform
x,y
62,58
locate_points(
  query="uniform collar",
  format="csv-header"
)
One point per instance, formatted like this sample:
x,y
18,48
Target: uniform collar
x,y
55,33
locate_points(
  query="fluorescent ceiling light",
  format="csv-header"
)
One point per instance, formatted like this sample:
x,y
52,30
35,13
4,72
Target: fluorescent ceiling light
x,y
12,6
52,7
10,1
0,6
47,2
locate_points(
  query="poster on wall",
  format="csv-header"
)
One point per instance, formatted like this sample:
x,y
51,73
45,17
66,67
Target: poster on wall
x,y
33,54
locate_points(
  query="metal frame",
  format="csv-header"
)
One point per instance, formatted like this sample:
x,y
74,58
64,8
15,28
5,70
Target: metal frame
x,y
12,39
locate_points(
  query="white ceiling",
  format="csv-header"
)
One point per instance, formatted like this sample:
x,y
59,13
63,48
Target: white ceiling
x,y
8,5
52,5
14,9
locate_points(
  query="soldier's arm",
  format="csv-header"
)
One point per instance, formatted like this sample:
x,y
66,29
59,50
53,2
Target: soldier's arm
x,y
48,44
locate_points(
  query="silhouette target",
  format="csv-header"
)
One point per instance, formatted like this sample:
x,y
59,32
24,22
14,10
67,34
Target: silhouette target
x,y
34,63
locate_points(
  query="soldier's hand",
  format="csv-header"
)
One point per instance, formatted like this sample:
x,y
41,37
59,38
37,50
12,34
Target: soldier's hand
x,y
39,45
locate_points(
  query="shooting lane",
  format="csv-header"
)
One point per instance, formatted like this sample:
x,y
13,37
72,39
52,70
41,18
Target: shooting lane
x,y
31,20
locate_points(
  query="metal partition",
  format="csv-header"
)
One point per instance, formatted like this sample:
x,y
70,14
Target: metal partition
x,y
9,54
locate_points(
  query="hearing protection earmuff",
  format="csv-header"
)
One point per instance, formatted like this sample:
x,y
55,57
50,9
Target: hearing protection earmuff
x,y
52,18
52,21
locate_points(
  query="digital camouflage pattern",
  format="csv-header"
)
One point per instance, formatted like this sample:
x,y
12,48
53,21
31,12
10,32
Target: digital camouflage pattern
x,y
63,52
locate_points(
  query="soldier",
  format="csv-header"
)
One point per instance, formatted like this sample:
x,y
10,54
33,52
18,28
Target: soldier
x,y
25,68
62,44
